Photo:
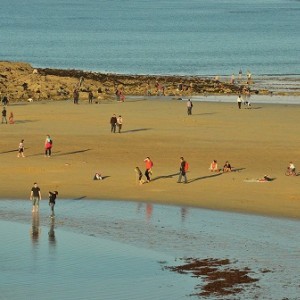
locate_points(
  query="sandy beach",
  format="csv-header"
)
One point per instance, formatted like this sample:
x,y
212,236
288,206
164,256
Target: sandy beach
x,y
256,141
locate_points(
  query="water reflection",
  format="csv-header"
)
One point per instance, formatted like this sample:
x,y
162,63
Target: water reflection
x,y
35,228
51,233
184,212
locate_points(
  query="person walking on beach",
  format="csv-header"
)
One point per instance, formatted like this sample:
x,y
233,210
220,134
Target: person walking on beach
x,y
189,106
52,198
149,165
21,149
76,96
113,123
11,118
4,116
119,123
48,146
182,170
35,197
239,101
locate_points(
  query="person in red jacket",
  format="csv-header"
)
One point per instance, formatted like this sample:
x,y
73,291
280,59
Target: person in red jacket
x,y
149,165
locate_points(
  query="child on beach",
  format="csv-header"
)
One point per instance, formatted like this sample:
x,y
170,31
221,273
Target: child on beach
x,y
139,175
52,198
21,149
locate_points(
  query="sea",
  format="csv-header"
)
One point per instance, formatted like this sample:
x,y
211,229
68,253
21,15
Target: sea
x,y
168,37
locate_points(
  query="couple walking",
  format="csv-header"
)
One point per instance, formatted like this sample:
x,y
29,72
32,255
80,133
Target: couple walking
x,y
114,122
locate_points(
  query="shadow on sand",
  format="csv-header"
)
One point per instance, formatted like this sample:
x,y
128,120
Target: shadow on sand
x,y
136,130
72,152
164,176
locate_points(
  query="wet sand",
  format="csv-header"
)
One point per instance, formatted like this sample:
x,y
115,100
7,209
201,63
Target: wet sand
x,y
256,141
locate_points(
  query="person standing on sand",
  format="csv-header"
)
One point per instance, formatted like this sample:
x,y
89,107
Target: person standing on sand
x,y
91,96
4,116
239,101
149,165
35,197
48,146
113,123
76,96
21,149
189,106
119,123
182,170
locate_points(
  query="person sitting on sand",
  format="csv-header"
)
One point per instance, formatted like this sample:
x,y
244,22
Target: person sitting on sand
x,y
11,118
291,167
227,167
214,166
97,176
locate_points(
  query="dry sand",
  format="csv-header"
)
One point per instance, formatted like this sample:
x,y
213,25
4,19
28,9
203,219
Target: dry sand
x,y
259,141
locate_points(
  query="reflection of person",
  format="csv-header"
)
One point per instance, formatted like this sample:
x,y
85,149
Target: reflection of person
x,y
35,196
52,198
182,170
35,227
51,233
48,146
214,166
21,149
149,165
113,123
227,167
119,123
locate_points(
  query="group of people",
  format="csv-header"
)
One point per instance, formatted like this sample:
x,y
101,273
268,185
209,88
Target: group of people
x,y
214,167
36,197
48,147
116,122
148,171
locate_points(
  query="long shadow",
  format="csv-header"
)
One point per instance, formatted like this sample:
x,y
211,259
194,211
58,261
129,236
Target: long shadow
x,y
25,121
9,151
136,130
204,177
236,170
72,152
103,178
42,154
164,176
203,114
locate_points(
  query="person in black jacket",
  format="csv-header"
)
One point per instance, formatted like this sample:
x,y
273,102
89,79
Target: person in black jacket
x,y
52,198
182,170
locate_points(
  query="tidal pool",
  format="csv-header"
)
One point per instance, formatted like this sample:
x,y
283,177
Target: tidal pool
x,y
120,250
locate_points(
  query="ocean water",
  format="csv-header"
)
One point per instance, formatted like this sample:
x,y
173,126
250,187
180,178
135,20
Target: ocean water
x,y
195,37
117,250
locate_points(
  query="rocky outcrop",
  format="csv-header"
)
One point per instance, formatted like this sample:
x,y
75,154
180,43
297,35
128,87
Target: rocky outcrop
x,y
22,82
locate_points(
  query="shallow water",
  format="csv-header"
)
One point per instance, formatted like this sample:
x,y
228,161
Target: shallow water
x,y
116,250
